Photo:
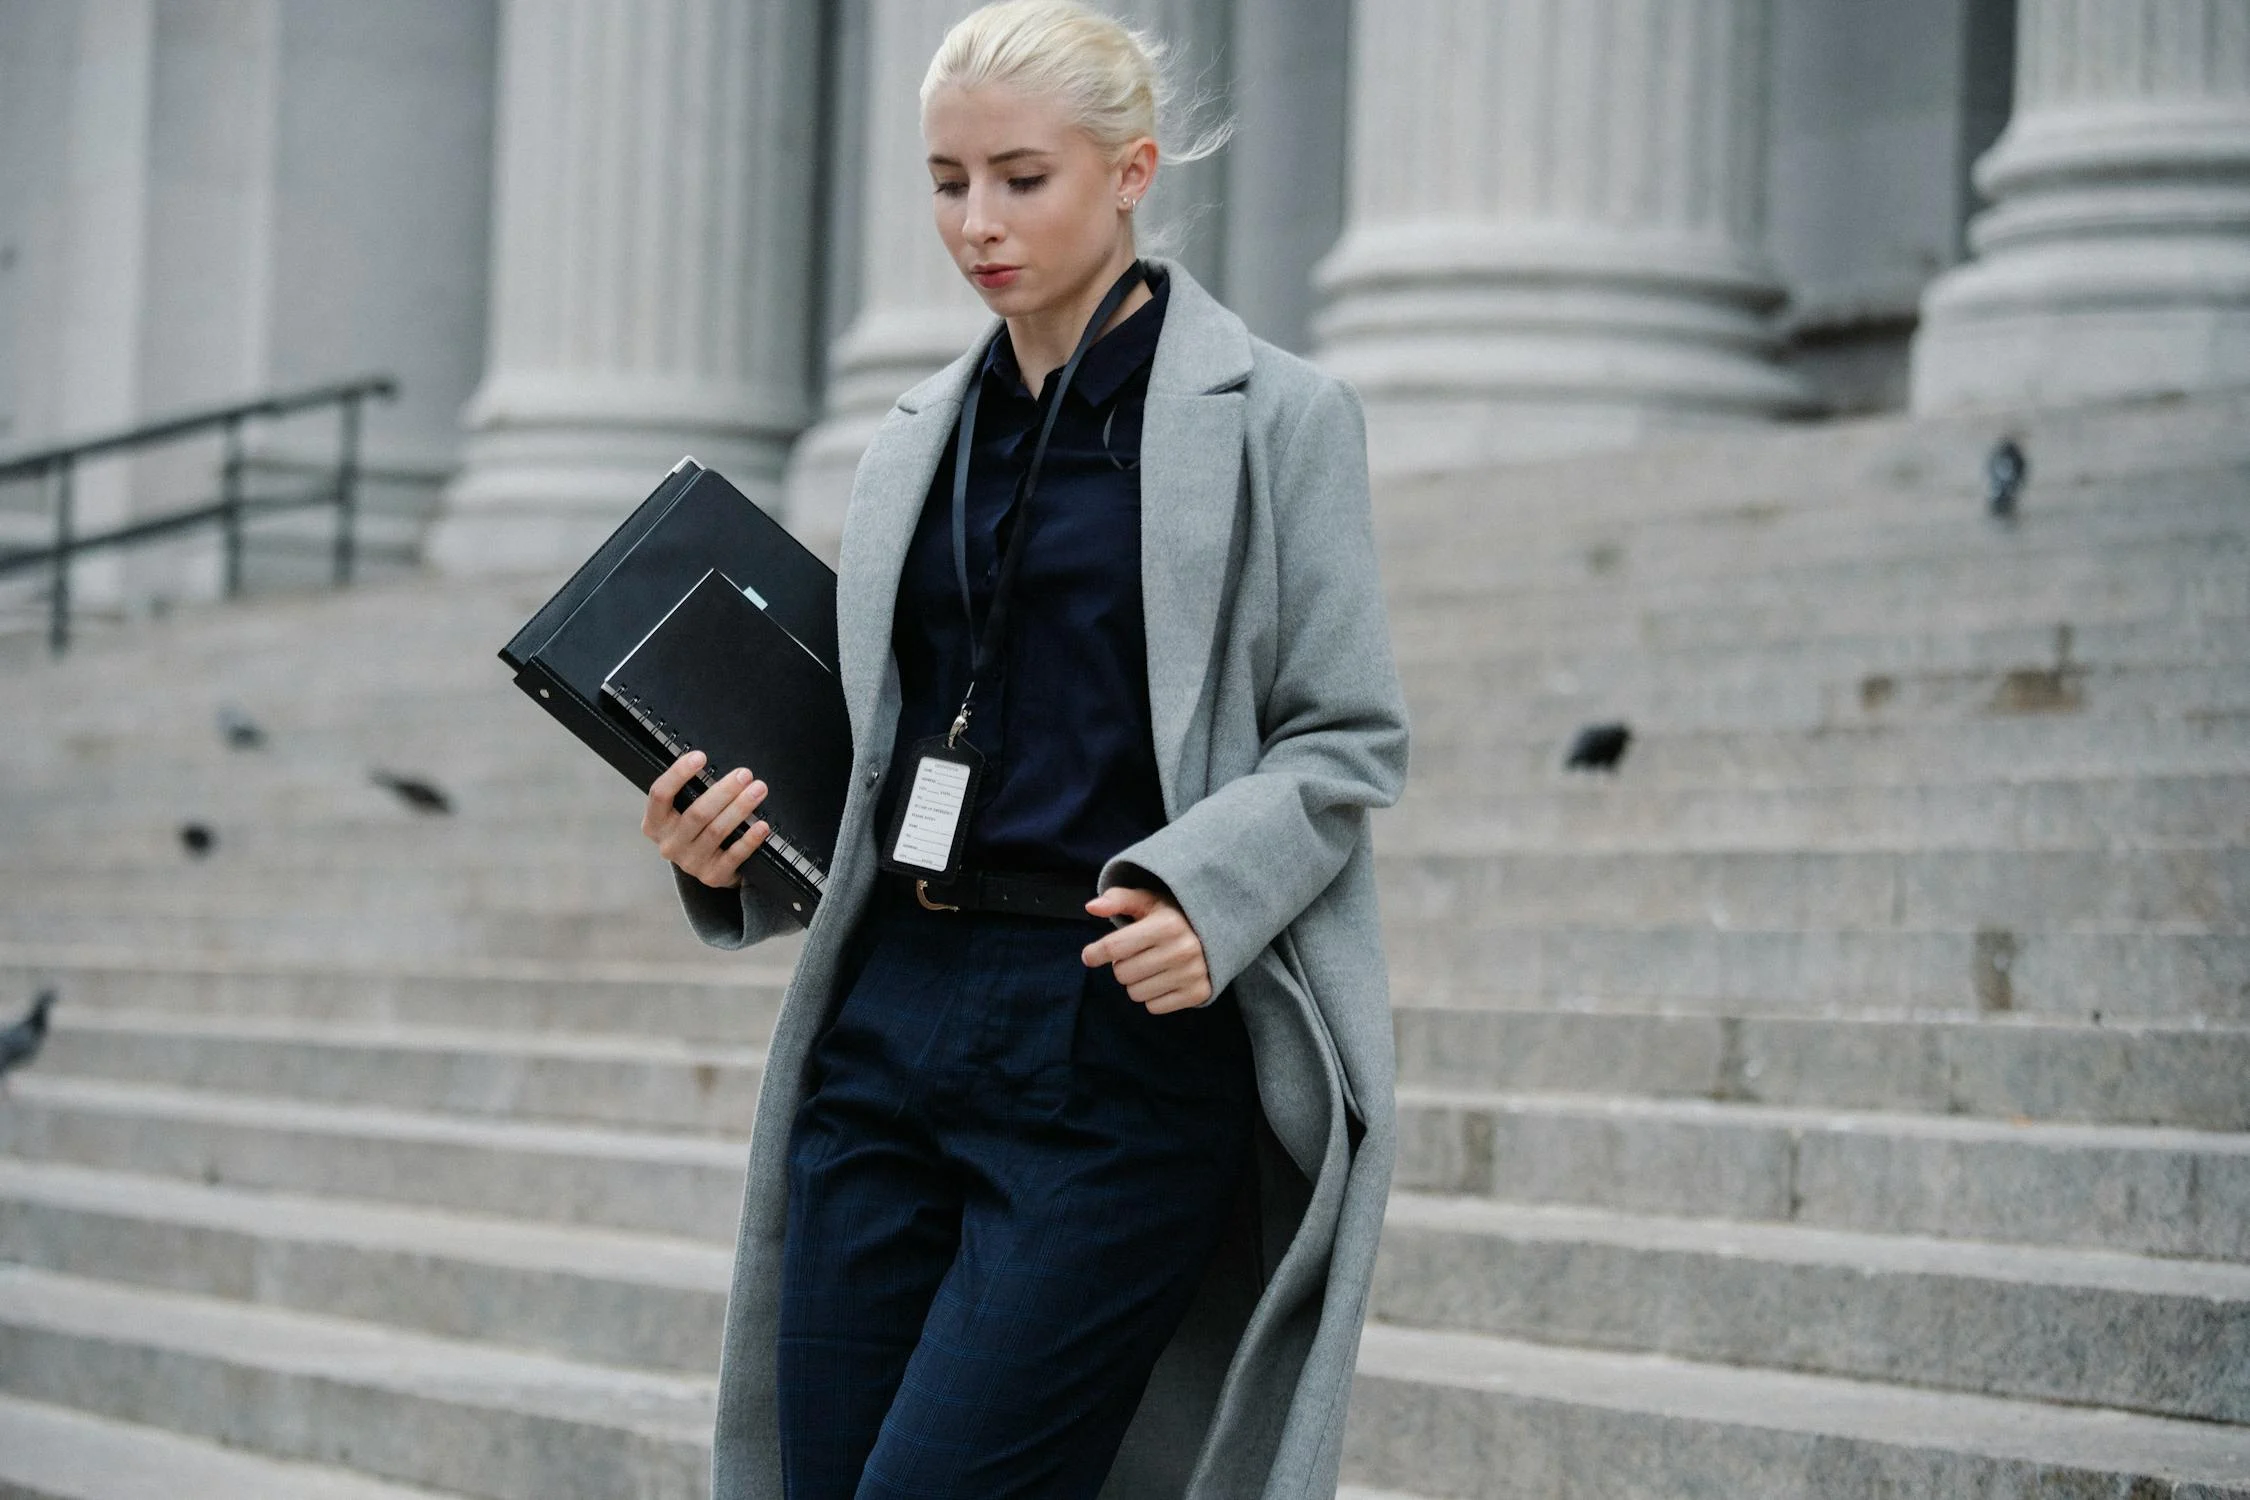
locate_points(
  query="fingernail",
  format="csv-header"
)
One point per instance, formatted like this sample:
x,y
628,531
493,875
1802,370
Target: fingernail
x,y
738,774
696,756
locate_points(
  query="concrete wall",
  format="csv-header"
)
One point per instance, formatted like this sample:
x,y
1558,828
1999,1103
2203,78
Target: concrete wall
x,y
1878,113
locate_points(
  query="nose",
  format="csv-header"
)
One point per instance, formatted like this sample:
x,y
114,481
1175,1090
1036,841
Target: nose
x,y
979,225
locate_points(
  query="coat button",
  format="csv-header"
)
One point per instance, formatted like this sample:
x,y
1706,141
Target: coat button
x,y
872,774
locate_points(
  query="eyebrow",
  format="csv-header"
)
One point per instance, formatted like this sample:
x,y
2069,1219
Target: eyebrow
x,y
993,160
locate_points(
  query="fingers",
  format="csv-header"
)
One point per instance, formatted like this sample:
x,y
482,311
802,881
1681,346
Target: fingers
x,y
717,813
1123,901
656,820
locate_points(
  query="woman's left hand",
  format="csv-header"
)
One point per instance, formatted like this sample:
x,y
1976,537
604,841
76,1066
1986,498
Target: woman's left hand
x,y
1156,956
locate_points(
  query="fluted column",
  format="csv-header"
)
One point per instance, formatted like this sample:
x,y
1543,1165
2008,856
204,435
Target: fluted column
x,y
916,312
651,267
2115,260
1554,226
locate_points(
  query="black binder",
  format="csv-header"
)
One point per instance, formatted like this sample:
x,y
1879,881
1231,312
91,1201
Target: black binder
x,y
692,524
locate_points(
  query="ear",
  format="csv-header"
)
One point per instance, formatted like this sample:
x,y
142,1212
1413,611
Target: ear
x,y
1137,172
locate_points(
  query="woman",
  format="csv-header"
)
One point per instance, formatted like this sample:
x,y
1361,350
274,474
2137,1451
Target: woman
x,y
1072,1148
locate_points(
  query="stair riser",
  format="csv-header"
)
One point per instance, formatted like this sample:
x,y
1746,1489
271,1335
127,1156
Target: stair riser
x,y
2158,813
1921,605
2163,639
656,1196
1450,709
717,1098
2166,1355
1500,762
652,934
2182,890
422,1439
1479,1445
581,1317
2056,976
2163,1201
2187,891
2096,1076
1720,553
737,1012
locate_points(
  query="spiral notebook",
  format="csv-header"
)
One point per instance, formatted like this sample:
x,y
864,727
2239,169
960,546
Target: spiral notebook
x,y
720,675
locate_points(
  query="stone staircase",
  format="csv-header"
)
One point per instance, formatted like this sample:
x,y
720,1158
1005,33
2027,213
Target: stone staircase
x,y
1848,1097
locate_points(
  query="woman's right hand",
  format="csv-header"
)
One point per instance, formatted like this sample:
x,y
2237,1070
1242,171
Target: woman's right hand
x,y
690,840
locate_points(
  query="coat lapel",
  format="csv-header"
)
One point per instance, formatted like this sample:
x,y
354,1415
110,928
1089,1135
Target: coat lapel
x,y
887,494
1191,481
1191,468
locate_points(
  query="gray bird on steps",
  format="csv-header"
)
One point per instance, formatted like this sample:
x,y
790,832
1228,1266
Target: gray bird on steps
x,y
20,1043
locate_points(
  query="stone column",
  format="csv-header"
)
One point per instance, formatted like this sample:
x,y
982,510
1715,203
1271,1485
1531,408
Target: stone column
x,y
2115,259
1554,227
651,263
916,313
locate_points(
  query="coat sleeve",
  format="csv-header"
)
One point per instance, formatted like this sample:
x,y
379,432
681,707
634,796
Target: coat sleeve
x,y
730,919
1246,859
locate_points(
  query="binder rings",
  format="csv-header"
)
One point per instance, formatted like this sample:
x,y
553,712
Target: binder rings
x,y
692,524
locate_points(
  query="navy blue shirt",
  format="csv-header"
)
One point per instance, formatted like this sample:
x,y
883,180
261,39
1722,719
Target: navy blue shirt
x,y
1070,760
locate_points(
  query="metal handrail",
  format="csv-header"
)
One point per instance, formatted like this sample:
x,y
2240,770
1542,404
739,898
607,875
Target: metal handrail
x,y
58,465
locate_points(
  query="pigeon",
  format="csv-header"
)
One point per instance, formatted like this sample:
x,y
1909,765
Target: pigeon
x,y
20,1043
2005,470
416,793
198,839
1599,747
239,730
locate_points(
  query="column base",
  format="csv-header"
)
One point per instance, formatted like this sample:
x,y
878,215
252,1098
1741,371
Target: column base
x,y
539,501
1474,347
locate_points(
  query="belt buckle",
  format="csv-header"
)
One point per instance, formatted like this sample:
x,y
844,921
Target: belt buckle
x,y
922,894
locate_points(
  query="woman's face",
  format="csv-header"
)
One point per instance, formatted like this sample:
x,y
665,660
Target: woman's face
x,y
1025,201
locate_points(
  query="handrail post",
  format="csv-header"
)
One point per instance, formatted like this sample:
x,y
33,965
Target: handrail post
x,y
347,485
58,597
230,496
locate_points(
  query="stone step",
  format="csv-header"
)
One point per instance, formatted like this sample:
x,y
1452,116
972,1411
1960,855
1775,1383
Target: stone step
x,y
652,930
641,1081
2214,582
730,998
609,1296
1472,1417
483,1421
1446,707
2213,557
2161,639
2095,891
641,1180
1494,759
1997,1069
1578,812
2204,890
1595,815
1492,554
2076,976
2107,1187
2090,1328
1894,463
54,1453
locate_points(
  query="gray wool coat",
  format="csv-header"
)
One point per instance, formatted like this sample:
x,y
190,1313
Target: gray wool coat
x,y
1278,724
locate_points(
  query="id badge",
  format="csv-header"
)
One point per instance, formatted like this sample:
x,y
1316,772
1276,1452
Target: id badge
x,y
930,825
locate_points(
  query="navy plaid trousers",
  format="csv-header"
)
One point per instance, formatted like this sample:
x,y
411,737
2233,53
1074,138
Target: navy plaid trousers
x,y
1005,1181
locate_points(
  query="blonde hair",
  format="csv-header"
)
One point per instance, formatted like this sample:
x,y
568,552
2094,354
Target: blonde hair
x,y
1109,77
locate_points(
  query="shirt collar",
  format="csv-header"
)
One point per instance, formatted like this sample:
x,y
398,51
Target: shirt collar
x,y
1108,364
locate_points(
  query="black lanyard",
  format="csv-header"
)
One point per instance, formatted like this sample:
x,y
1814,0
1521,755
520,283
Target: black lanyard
x,y
986,642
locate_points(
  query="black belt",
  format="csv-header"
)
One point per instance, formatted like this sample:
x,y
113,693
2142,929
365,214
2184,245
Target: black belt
x,y
1062,896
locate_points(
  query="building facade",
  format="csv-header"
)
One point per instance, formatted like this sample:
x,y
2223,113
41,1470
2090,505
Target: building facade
x,y
590,235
